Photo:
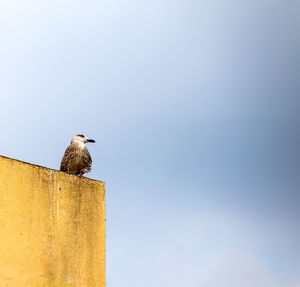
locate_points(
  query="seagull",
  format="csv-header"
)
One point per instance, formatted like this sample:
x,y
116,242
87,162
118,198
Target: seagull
x,y
77,159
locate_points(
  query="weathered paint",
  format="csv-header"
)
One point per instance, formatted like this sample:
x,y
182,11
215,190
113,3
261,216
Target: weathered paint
x,y
52,228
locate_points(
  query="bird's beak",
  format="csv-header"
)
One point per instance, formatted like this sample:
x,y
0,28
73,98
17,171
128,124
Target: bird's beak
x,y
90,141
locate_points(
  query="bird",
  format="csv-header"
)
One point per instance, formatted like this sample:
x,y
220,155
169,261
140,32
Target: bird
x,y
77,159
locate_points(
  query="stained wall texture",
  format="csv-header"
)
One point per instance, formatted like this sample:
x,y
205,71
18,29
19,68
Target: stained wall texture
x,y
52,228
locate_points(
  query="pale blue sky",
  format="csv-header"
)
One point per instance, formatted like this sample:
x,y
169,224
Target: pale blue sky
x,y
194,106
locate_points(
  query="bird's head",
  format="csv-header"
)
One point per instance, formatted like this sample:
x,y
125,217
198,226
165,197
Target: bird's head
x,y
82,139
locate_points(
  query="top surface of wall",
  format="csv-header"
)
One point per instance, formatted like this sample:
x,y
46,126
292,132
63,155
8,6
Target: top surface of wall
x,y
52,228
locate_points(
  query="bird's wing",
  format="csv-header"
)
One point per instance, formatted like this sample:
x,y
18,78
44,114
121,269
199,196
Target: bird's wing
x,y
68,156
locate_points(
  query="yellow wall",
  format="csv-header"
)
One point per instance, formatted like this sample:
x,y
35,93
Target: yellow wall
x,y
52,228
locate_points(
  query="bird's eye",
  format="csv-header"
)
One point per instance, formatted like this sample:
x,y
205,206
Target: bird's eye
x,y
82,136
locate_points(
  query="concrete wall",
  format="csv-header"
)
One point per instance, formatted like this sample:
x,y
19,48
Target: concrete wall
x,y
52,228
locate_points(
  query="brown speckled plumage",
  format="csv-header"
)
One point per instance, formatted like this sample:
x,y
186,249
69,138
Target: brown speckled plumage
x,y
77,159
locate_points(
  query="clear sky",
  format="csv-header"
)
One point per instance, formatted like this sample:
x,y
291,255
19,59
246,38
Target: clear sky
x,y
194,106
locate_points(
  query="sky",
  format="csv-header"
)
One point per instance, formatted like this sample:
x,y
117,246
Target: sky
x,y
194,106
